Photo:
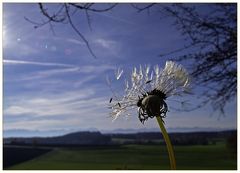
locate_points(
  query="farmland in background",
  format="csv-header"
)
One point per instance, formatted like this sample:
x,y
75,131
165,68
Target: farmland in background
x,y
131,152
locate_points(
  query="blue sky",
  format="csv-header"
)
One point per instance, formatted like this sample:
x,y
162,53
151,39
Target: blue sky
x,y
51,81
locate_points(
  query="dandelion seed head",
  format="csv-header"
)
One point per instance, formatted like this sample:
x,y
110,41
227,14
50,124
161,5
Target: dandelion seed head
x,y
146,85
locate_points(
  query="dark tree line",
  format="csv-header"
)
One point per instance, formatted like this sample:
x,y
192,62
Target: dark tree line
x,y
211,37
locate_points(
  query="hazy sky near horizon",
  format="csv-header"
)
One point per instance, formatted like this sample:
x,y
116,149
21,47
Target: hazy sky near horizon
x,y
51,81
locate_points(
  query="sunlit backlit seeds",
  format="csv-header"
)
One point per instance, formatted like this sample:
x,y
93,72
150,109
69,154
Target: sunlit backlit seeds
x,y
148,90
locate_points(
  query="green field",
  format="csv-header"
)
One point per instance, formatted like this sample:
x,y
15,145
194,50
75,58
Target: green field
x,y
133,157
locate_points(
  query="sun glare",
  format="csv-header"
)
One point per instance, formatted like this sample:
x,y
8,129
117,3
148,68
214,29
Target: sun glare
x,y
4,35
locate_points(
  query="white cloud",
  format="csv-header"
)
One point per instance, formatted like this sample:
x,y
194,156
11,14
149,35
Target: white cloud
x,y
108,47
20,62
82,81
109,44
63,39
93,70
45,124
69,103
83,69
75,41
96,69
48,73
19,110
72,108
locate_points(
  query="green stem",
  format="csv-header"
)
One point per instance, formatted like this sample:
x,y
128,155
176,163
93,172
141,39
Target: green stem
x,y
168,142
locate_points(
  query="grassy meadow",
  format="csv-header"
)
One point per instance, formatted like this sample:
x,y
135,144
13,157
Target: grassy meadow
x,y
133,157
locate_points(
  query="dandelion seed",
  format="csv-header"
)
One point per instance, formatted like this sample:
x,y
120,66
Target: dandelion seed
x,y
149,89
118,73
148,81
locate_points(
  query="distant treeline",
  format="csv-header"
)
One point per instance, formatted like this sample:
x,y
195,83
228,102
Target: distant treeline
x,y
77,138
185,138
96,138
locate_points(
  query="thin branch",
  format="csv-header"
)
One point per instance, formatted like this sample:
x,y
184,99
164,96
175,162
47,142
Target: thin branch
x,y
177,50
36,25
88,19
78,32
92,9
143,8
53,18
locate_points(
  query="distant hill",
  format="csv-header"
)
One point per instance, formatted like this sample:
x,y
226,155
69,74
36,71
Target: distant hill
x,y
169,130
60,132
38,133
33,133
97,138
77,138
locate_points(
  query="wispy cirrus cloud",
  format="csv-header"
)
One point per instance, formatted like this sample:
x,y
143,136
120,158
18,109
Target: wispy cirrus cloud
x,y
75,41
48,73
58,69
106,43
21,62
70,108
48,104
112,47
83,69
63,39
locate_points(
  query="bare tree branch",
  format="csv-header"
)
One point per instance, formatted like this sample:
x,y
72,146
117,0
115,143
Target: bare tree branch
x,y
88,7
140,9
77,31
63,15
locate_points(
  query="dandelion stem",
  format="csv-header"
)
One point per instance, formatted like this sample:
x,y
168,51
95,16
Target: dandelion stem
x,y
168,143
